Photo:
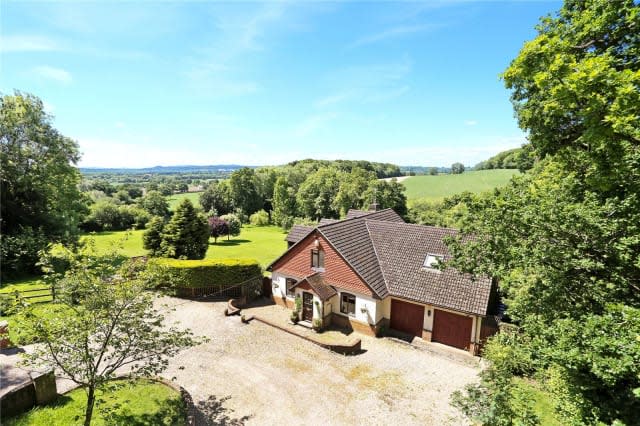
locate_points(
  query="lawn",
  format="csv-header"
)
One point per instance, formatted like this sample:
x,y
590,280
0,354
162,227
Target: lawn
x,y
263,243
435,188
175,199
142,402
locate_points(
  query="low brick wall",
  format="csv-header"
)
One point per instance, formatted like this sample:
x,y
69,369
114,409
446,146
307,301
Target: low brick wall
x,y
40,390
352,348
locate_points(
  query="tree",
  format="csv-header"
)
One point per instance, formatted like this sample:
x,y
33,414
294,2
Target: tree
x,y
244,192
103,321
352,190
186,235
388,195
217,198
40,201
234,224
152,236
457,168
316,195
217,227
155,203
563,239
284,202
433,171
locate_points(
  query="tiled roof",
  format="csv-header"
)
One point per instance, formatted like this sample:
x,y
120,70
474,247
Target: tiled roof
x,y
298,232
351,239
389,255
401,250
317,284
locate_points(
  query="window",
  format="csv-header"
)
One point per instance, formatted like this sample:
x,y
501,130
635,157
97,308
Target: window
x,y
431,261
348,304
290,282
317,258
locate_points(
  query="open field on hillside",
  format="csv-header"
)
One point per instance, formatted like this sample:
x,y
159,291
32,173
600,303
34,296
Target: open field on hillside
x,y
263,243
435,188
175,199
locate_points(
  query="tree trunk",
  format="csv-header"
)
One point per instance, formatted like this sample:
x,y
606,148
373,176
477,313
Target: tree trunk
x,y
91,399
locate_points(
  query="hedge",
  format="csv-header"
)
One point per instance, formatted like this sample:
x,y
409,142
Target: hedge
x,y
206,272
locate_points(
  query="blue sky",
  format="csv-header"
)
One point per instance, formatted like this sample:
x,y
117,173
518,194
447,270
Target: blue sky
x,y
170,83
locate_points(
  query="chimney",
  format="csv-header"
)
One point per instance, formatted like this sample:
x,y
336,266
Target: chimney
x,y
374,207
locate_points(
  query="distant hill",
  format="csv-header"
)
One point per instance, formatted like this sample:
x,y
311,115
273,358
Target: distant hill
x,y
164,170
438,187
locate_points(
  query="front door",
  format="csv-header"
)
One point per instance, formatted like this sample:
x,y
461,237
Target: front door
x,y
307,306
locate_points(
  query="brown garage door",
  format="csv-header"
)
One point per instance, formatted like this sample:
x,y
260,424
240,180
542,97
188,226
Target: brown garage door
x,y
407,317
451,329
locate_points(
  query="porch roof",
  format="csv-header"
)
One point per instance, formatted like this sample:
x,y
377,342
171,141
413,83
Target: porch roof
x,y
318,286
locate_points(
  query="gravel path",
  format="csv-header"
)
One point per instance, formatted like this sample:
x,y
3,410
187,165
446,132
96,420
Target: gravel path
x,y
256,374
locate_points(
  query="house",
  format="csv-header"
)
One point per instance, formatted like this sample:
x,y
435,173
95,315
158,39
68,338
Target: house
x,y
373,271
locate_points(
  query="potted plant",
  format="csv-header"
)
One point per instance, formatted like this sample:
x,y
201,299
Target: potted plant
x,y
317,325
294,316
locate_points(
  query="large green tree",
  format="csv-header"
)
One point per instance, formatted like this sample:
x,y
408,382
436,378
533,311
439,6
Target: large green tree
x,y
187,233
316,195
244,191
40,200
217,198
564,240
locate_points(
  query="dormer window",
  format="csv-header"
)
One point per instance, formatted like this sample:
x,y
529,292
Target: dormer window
x,y
432,260
317,259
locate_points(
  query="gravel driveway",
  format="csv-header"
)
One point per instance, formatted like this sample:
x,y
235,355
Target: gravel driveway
x,y
256,374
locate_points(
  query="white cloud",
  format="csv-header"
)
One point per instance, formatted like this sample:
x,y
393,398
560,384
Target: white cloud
x,y
391,33
314,123
51,73
120,125
28,43
470,122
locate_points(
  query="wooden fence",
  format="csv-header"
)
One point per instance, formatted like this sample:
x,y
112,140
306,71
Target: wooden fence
x,y
44,295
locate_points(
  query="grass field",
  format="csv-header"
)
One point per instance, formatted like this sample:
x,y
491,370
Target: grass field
x,y
175,199
263,243
434,188
142,402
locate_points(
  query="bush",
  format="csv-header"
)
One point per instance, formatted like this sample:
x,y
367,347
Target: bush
x,y
202,273
260,218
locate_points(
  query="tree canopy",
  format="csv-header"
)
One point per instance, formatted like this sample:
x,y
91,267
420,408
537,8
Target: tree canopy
x,y
563,240
40,200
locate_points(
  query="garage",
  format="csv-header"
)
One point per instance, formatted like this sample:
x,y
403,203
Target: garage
x,y
407,317
451,329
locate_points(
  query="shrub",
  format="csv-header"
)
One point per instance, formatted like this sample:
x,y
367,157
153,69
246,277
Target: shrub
x,y
317,324
260,218
202,273
294,317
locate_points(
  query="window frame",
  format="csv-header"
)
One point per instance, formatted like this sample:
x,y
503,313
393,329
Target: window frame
x,y
288,291
436,259
317,258
344,308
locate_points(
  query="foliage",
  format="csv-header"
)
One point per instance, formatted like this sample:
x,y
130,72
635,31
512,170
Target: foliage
x,y
186,235
433,171
284,203
155,203
108,214
39,196
217,198
110,324
121,402
564,241
202,273
353,191
244,192
234,224
388,195
217,227
259,218
448,213
518,158
316,193
152,237
457,168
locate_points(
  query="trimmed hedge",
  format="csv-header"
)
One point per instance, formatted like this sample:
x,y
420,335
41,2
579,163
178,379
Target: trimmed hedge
x,y
206,272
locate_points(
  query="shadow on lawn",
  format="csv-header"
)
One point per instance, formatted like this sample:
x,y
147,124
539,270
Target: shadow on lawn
x,y
223,243
212,413
172,412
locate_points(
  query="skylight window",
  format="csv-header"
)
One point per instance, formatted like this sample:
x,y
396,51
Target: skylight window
x,y
432,260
